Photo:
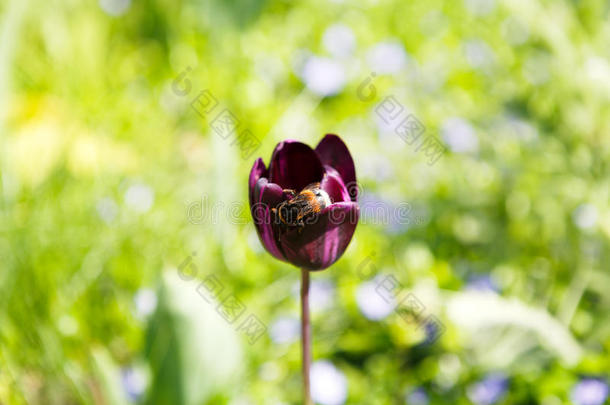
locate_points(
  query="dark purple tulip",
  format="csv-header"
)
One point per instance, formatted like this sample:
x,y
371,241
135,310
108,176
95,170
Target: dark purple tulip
x,y
294,165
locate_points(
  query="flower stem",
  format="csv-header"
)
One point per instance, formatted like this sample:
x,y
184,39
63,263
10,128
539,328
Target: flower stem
x,y
305,335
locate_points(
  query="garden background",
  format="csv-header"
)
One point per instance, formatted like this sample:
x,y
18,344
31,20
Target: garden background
x,y
118,198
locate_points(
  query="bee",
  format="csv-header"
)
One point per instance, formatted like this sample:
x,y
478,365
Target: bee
x,y
310,201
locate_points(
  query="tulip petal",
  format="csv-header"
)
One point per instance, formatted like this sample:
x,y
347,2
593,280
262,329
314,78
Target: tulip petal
x,y
268,193
258,170
324,239
333,152
333,185
294,165
267,196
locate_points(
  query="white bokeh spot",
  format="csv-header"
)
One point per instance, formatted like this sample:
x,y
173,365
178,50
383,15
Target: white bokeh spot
x,y
328,384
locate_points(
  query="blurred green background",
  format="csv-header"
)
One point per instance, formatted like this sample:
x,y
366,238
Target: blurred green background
x,y
111,181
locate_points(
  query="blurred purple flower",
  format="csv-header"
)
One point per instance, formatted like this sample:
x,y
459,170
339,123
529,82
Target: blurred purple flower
x,y
418,397
396,218
481,283
459,135
371,303
134,382
323,76
285,330
433,331
489,390
590,391
326,234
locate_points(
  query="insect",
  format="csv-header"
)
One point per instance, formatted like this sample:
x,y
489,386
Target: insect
x,y
310,201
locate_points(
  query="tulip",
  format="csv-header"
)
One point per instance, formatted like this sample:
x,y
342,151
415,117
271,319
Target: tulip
x,y
323,236
293,166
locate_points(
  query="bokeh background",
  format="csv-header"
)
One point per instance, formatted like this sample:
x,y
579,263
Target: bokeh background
x,y
111,182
